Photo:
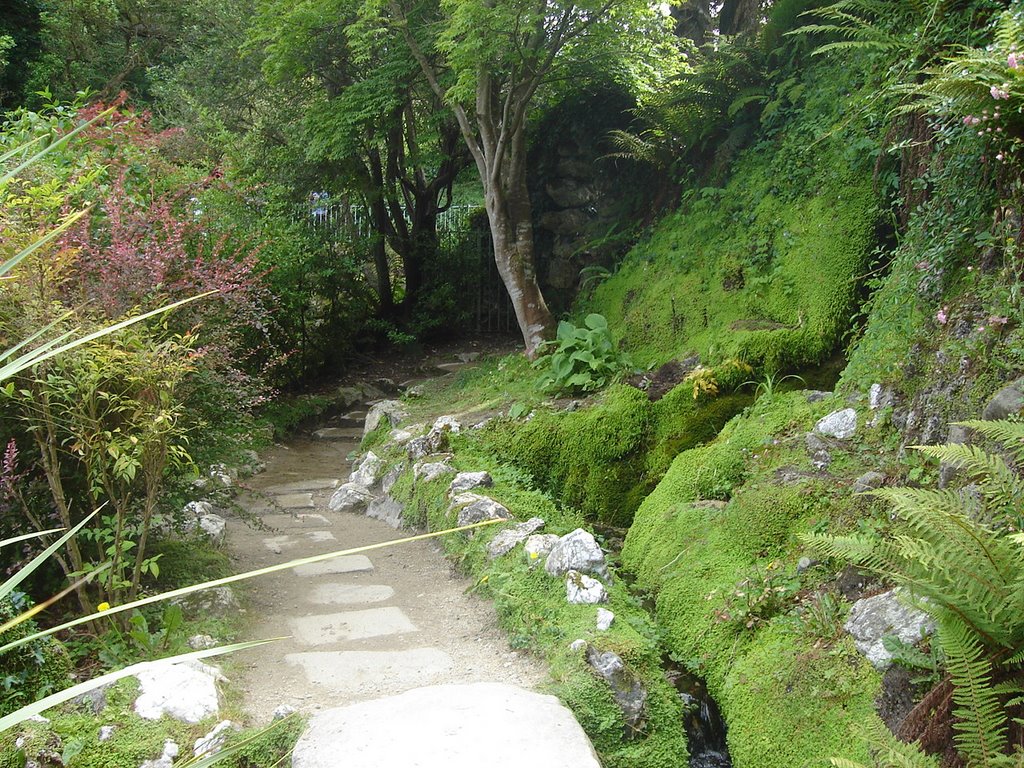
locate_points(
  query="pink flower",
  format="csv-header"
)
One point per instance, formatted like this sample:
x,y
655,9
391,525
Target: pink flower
x,y
999,93
999,157
942,315
1011,60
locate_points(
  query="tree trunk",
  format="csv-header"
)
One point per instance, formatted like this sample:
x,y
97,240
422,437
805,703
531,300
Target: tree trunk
x,y
511,221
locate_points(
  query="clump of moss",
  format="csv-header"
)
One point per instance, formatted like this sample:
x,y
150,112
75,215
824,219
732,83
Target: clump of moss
x,y
183,563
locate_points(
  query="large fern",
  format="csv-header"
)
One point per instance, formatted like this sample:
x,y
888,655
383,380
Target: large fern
x,y
956,555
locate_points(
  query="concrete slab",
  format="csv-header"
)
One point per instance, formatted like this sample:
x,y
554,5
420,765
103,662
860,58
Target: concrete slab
x,y
329,628
295,500
448,726
343,564
320,535
350,594
313,484
276,543
350,672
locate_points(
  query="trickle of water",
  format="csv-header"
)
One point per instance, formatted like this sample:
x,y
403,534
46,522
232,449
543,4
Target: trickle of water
x,y
705,728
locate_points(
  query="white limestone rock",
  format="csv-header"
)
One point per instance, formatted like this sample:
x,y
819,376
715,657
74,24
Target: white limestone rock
x,y
482,509
350,497
872,619
605,619
428,472
506,540
391,410
166,759
538,546
577,551
467,481
581,589
838,424
367,471
214,741
185,691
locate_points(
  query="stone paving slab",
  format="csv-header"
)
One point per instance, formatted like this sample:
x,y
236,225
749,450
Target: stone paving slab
x,y
325,629
313,484
295,501
448,726
349,672
338,434
320,536
343,564
350,594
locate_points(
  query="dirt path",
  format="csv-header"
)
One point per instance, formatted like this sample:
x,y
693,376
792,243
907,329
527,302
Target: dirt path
x,y
360,627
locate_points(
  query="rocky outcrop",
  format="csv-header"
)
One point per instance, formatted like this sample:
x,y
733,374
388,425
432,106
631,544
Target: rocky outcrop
x,y
505,541
577,551
872,619
185,691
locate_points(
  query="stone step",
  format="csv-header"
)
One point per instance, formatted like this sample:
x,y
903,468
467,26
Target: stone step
x,y
295,501
320,536
339,434
448,726
350,594
312,484
343,564
454,367
330,628
354,672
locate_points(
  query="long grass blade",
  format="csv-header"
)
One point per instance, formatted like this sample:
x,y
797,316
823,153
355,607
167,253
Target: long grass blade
x,y
30,710
51,147
237,577
19,365
40,607
9,353
49,237
27,536
234,749
20,148
23,573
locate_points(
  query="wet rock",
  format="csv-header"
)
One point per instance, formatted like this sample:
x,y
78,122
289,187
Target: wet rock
x,y
629,692
367,471
166,759
819,451
1007,402
605,619
874,618
851,582
838,424
428,472
214,741
391,478
185,691
467,481
391,411
506,540
387,509
581,589
897,696
418,448
215,601
881,397
350,497
539,546
482,509
577,551
869,481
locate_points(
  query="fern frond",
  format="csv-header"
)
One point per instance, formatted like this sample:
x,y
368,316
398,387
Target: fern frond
x,y
888,751
1000,485
1009,433
981,722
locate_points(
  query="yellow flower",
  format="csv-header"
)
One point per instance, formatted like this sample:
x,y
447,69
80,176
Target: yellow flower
x,y
534,555
104,606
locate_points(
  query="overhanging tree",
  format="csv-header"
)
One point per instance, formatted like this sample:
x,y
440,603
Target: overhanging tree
x,y
492,61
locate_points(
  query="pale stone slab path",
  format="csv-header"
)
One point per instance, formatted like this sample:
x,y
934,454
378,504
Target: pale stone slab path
x,y
360,626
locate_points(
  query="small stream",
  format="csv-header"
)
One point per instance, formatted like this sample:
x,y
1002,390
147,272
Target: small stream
x,y
705,728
